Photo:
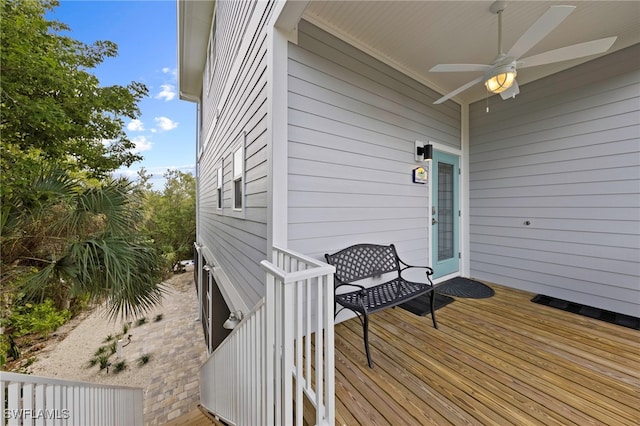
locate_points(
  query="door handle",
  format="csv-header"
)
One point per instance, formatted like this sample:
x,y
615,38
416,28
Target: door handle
x,y
433,221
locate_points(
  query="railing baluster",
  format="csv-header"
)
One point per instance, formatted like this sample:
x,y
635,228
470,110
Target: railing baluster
x,y
272,345
40,401
13,400
307,346
298,336
33,400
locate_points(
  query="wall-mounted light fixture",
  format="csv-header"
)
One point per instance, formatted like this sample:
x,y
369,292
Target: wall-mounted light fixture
x,y
233,320
423,152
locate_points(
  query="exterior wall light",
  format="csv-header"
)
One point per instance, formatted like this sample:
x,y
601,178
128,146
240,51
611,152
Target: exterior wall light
x,y
423,152
233,320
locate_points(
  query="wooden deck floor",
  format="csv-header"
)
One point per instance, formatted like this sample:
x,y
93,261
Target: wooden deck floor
x,y
497,361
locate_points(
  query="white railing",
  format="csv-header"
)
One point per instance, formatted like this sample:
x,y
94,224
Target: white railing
x,y
33,400
281,354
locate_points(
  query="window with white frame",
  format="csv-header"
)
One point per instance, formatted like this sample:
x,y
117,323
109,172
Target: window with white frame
x,y
212,58
210,68
238,178
219,188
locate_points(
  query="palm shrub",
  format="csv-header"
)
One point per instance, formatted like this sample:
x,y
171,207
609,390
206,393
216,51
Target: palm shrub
x,y
67,238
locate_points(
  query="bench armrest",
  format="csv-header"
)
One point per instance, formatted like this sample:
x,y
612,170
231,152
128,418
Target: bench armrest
x,y
428,269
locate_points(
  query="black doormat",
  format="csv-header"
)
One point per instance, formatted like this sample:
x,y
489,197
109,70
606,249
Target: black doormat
x,y
464,287
589,311
422,305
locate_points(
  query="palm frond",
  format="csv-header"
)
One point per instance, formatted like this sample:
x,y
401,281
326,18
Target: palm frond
x,y
125,272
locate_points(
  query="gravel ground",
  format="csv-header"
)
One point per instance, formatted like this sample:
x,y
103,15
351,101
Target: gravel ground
x,y
68,359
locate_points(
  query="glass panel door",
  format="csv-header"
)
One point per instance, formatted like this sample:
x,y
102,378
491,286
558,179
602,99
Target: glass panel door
x,y
445,214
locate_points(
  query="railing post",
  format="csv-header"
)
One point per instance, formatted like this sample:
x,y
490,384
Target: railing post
x,y
329,349
269,355
287,356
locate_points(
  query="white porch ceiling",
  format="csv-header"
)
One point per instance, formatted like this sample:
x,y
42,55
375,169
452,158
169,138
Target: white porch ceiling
x,y
413,36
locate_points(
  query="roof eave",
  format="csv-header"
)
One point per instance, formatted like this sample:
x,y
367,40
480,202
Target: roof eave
x,y
194,19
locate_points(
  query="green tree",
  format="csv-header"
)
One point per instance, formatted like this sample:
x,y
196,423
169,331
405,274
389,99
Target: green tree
x,y
171,220
69,239
53,109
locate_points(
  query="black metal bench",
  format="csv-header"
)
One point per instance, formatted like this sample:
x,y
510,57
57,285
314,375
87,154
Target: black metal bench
x,y
362,261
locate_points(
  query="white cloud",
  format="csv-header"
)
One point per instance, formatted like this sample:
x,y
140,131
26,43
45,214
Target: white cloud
x,y
141,144
172,71
125,173
168,92
165,123
135,125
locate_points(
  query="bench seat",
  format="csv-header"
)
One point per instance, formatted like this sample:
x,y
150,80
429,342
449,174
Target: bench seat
x,y
382,296
359,262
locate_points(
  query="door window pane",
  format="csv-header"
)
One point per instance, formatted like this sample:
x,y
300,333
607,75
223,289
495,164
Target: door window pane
x,y
445,211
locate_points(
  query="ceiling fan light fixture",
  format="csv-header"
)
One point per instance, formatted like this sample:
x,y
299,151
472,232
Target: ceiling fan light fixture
x,y
500,82
501,78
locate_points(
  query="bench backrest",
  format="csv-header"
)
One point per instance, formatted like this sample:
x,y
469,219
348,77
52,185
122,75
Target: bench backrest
x,y
363,261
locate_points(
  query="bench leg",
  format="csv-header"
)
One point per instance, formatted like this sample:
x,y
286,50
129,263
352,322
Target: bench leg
x,y
365,329
433,309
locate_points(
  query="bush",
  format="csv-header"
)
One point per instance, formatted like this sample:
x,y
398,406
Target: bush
x,y
104,361
41,318
143,359
119,366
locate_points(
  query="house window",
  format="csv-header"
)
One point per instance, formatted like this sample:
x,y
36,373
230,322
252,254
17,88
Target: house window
x,y
219,188
211,57
238,178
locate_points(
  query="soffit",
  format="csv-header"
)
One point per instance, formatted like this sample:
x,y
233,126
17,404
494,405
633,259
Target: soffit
x,y
413,36
194,25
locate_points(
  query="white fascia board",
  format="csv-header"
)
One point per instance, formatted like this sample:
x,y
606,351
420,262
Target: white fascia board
x,y
289,15
194,19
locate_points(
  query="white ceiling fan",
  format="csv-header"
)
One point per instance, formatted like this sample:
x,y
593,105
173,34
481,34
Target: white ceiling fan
x,y
499,76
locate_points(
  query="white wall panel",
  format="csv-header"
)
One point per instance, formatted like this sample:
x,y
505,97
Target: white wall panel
x,y
234,105
564,155
352,126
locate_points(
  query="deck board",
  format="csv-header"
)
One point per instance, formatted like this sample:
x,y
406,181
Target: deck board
x,y
502,360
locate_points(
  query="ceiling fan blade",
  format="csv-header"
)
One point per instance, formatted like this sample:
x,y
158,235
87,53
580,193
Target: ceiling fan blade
x,y
511,92
458,90
539,30
566,53
460,68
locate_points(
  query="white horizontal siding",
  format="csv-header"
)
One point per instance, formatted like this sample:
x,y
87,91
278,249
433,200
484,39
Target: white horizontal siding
x,y
352,126
237,239
564,155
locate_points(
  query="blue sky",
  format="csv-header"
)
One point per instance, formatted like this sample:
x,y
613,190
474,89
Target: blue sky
x,y
145,32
